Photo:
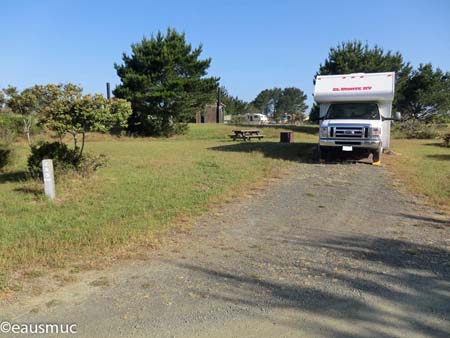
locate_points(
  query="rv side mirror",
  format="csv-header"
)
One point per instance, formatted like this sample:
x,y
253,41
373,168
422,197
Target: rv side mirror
x,y
397,116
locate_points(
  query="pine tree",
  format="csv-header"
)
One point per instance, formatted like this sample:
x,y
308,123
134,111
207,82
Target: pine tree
x,y
166,83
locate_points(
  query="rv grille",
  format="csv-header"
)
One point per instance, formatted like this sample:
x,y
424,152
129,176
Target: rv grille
x,y
350,132
348,143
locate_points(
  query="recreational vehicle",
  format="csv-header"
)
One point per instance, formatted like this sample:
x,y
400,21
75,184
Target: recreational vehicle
x,y
355,112
256,119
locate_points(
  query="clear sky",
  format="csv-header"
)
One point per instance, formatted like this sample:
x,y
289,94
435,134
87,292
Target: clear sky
x,y
253,44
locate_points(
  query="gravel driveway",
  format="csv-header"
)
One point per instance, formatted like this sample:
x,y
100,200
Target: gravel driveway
x,y
327,251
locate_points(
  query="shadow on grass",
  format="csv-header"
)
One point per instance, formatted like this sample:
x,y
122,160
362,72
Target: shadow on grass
x,y
304,152
307,129
436,144
312,130
17,176
440,157
30,190
401,287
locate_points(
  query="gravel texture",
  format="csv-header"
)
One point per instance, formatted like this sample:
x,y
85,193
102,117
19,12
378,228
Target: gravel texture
x,y
325,251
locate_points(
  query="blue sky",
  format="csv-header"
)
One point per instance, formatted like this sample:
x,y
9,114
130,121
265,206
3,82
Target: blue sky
x,y
254,44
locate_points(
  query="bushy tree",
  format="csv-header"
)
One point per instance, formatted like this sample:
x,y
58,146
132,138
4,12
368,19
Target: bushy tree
x,y
71,112
26,104
314,113
262,100
165,81
357,57
426,94
292,102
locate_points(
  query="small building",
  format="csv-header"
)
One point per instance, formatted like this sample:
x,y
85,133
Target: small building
x,y
209,114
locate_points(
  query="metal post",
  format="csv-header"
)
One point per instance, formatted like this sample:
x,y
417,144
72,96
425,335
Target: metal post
x,y
49,178
218,109
108,91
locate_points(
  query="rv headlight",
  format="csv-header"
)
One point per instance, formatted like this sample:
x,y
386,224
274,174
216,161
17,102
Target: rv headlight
x,y
323,132
376,131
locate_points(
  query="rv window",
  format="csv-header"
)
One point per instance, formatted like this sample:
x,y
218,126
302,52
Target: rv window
x,y
363,110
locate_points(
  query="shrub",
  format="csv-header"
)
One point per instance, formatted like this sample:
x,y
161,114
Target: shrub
x,y
442,118
413,129
90,163
64,159
5,156
446,140
10,127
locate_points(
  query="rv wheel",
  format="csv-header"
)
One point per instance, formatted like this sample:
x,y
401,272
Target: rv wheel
x,y
376,155
323,153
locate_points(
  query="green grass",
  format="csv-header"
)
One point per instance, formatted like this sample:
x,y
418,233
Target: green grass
x,y
147,187
424,166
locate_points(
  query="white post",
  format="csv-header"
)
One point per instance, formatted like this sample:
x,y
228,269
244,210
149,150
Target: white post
x,y
49,178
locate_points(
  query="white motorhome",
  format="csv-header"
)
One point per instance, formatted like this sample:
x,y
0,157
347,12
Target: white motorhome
x,y
256,119
355,112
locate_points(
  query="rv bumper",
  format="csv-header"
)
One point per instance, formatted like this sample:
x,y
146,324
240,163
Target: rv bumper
x,y
367,143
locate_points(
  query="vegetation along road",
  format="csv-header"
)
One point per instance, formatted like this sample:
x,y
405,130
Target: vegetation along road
x,y
320,251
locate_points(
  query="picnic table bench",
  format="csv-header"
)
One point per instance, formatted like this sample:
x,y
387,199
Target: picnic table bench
x,y
246,134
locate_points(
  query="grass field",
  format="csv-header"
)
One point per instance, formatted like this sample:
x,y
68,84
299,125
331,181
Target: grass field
x,y
148,186
424,167
151,185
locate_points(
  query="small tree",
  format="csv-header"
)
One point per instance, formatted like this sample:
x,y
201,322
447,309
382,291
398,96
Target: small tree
x,y
25,104
29,104
76,114
166,83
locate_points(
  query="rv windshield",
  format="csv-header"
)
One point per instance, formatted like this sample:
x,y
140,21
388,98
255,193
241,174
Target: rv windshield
x,y
362,110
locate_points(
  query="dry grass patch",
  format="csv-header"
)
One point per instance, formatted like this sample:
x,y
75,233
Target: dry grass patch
x,y
424,168
148,187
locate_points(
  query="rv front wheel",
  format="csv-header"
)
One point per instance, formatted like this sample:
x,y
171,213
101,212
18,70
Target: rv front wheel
x,y
376,155
323,153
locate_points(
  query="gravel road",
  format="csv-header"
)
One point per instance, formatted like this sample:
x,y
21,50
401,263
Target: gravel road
x,y
326,251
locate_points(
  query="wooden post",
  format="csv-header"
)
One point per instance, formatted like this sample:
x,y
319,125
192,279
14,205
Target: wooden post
x,y
218,108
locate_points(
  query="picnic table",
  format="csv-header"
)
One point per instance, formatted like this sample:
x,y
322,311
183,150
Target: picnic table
x,y
246,134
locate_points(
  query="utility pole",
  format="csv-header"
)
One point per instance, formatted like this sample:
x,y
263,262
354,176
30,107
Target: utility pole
x,y
218,108
108,91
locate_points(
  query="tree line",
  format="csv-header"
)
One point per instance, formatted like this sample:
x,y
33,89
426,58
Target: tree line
x,y
275,102
164,81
